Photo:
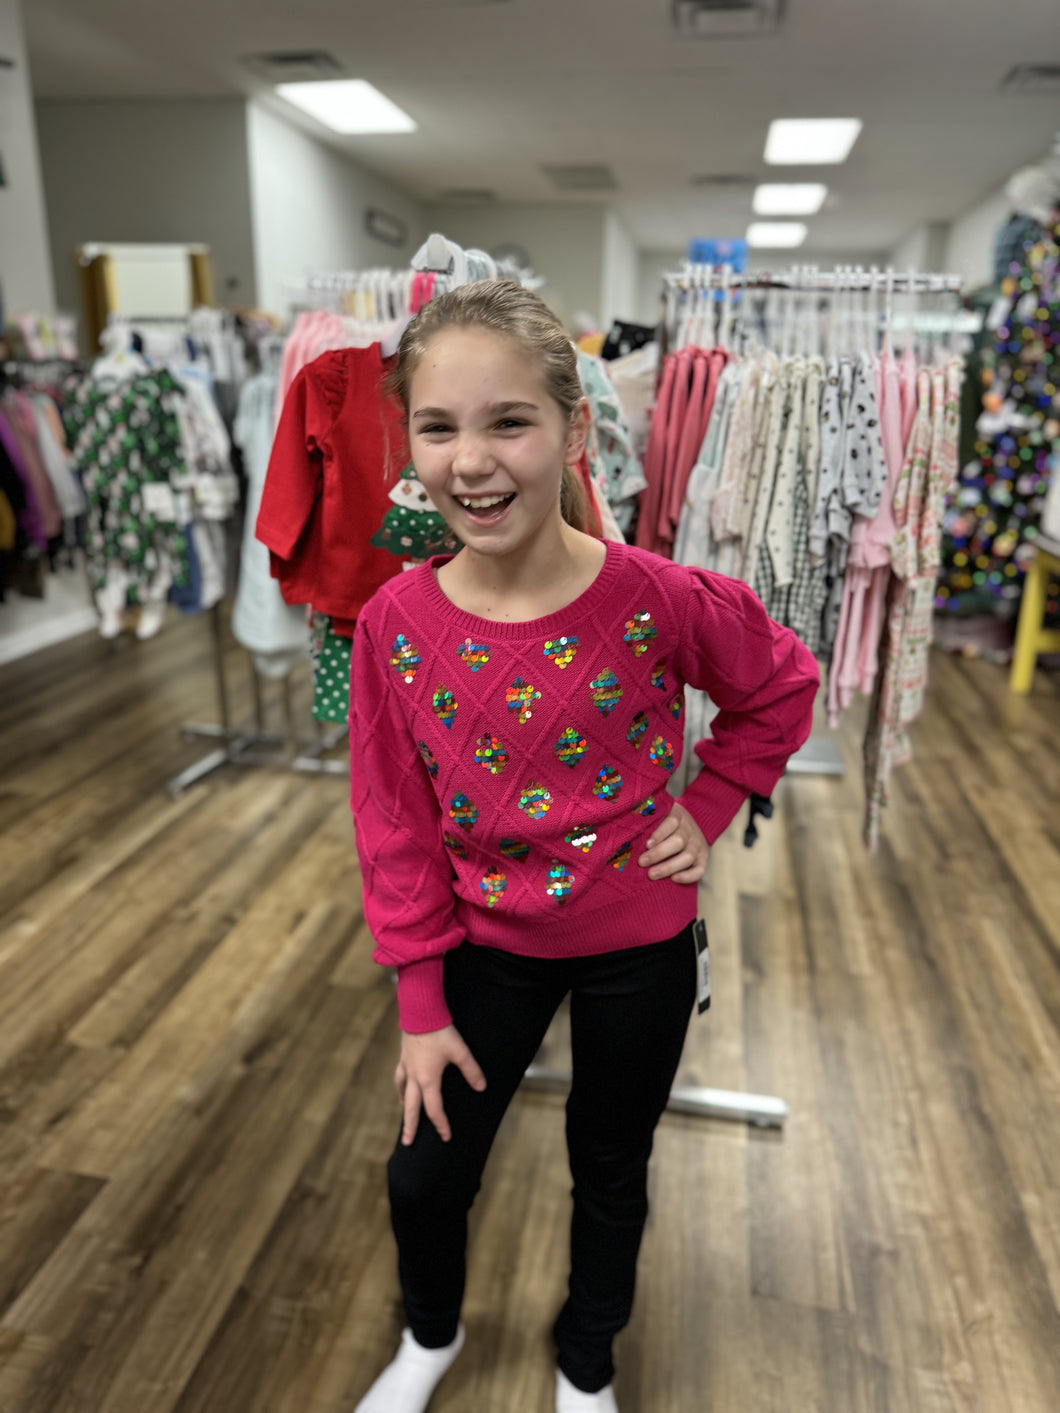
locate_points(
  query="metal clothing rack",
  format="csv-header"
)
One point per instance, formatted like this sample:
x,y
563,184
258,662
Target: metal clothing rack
x,y
255,746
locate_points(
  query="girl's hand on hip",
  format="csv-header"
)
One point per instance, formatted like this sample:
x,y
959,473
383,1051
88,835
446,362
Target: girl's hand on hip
x,y
676,849
424,1059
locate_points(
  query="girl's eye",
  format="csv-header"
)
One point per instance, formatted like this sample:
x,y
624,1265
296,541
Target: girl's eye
x,y
508,423
434,428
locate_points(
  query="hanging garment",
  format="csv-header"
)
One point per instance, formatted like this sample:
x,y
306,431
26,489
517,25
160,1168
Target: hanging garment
x,y
126,445
614,465
338,449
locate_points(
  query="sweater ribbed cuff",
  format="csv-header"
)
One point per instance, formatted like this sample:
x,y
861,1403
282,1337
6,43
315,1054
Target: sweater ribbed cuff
x,y
713,804
421,996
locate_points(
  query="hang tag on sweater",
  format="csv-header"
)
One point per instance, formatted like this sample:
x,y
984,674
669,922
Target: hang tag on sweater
x,y
699,932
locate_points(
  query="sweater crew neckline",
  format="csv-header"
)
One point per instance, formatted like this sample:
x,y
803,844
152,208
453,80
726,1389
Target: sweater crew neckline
x,y
578,608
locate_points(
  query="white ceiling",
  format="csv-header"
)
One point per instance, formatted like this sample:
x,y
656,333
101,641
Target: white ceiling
x,y
500,88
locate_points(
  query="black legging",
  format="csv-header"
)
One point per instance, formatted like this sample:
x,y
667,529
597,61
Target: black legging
x,y
629,1013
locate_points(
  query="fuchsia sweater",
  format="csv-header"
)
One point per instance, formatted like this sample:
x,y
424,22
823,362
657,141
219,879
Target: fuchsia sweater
x,y
506,776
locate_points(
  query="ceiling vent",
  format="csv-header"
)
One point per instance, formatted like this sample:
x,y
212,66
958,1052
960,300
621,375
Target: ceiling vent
x,y
723,181
468,196
1032,78
726,19
295,66
591,176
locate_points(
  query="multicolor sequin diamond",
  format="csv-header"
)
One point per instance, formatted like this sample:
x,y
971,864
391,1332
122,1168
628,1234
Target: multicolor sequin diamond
x,y
404,658
455,845
606,691
428,759
608,783
521,697
662,753
676,706
571,746
561,650
658,675
645,807
622,857
637,729
640,630
583,839
535,800
444,703
514,849
560,881
462,811
473,655
493,885
490,754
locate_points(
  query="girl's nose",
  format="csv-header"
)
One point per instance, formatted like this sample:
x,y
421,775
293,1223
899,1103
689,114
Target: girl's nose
x,y
471,458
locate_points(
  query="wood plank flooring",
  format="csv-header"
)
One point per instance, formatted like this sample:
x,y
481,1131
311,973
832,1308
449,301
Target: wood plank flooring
x,y
196,1105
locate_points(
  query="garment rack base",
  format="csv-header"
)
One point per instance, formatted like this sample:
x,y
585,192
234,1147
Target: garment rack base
x,y
762,1110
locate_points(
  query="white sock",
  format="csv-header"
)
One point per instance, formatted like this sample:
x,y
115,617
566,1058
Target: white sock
x,y
406,1384
571,1400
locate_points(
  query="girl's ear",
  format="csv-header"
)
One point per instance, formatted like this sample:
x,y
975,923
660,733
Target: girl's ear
x,y
579,432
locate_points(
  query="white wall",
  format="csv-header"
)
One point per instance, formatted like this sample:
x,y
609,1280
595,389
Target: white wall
x,y
25,269
618,292
565,244
141,171
309,202
923,249
970,244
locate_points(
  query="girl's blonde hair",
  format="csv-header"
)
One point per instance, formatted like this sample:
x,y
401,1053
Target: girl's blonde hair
x,y
502,307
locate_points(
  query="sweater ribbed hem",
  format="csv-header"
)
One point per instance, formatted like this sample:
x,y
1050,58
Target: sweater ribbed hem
x,y
421,996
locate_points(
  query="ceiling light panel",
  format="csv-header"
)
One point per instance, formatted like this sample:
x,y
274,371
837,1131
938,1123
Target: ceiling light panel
x,y
348,106
811,142
789,198
776,235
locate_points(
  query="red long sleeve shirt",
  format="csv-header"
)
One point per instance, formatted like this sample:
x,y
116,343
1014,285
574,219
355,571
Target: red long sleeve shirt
x,y
506,776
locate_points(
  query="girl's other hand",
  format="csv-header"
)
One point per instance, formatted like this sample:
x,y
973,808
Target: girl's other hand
x,y
677,849
424,1059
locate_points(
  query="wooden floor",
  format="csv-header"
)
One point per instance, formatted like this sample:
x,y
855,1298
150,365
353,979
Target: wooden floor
x,y
196,1106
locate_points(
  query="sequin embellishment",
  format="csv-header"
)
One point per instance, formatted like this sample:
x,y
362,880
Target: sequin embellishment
x,y
514,849
560,881
404,658
462,811
444,705
428,758
620,859
658,675
640,630
520,697
662,753
561,651
676,706
571,746
493,885
645,807
454,845
535,799
637,728
490,754
608,783
606,691
473,655
583,839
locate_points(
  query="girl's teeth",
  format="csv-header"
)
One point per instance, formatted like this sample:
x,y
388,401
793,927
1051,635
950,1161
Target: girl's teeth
x,y
482,504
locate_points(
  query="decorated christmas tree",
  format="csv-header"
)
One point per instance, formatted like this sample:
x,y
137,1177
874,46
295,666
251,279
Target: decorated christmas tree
x,y
412,528
994,512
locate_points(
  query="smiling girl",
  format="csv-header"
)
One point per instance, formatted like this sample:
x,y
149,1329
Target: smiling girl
x,y
516,717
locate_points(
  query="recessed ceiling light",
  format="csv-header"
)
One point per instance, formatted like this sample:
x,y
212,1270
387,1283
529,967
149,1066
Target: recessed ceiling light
x,y
347,106
776,235
789,198
810,142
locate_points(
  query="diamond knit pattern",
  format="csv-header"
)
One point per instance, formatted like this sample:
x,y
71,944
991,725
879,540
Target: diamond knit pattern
x,y
520,753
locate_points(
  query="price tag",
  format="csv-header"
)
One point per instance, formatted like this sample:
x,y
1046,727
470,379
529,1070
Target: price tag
x,y
699,932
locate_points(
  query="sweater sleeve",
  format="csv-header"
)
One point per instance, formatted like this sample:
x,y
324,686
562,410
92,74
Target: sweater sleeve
x,y
763,679
408,895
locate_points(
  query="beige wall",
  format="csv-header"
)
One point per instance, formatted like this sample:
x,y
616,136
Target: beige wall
x,y
25,267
